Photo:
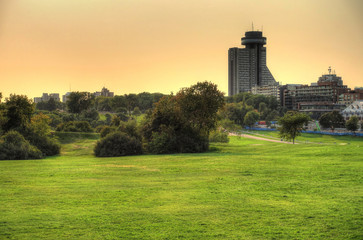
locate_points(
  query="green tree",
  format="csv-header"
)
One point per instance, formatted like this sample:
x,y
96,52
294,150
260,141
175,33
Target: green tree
x,y
118,103
182,123
40,124
332,120
271,116
18,112
103,103
251,118
291,125
50,105
136,111
235,112
200,104
352,124
131,102
80,101
145,101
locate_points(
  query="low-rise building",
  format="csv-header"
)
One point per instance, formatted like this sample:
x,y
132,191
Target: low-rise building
x,y
267,90
104,93
316,109
351,96
46,97
354,109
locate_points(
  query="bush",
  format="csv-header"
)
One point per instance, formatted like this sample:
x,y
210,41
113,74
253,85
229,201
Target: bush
x,y
117,144
106,130
13,146
74,126
47,145
130,128
218,136
169,141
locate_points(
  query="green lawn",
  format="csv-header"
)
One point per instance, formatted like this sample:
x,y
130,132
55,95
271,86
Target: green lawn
x,y
246,189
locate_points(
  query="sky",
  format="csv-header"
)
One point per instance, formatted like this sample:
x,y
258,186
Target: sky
x,y
132,46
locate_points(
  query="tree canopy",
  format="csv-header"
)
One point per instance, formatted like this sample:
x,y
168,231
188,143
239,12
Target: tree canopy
x,y
332,120
80,101
291,125
182,123
352,124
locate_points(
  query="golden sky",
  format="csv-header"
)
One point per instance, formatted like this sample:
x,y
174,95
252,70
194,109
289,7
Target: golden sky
x,y
131,46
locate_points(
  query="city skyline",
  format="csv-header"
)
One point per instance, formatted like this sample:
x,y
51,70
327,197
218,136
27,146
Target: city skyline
x,y
159,46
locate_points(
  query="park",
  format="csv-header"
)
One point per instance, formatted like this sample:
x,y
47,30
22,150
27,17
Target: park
x,y
244,189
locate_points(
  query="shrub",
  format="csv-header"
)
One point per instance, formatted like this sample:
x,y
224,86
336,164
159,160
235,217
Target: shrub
x,y
99,128
218,136
47,145
13,146
106,130
170,141
130,128
117,144
74,126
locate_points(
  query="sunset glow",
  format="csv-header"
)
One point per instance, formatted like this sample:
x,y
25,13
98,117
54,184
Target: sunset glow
x,y
132,46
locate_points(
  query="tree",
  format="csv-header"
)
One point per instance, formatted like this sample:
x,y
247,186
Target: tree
x,y
145,101
40,124
332,120
50,105
182,123
103,103
235,112
80,101
118,103
131,102
136,111
200,104
262,108
352,124
291,125
18,112
271,116
250,118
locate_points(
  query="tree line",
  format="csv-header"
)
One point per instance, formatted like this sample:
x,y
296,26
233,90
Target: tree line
x,y
184,122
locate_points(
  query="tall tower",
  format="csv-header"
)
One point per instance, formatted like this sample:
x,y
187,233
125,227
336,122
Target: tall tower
x,y
247,66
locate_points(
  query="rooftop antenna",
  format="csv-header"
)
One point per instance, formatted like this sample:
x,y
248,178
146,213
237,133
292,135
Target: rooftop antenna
x,y
329,69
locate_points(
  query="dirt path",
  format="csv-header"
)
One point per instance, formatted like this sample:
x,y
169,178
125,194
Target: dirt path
x,y
259,138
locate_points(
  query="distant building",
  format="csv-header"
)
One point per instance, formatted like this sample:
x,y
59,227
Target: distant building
x,y
354,109
318,98
65,97
288,96
45,97
351,96
104,93
269,90
247,66
316,109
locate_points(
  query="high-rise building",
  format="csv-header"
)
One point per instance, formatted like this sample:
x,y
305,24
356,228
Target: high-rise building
x,y
247,66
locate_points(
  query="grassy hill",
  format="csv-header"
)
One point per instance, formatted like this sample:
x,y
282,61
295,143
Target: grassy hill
x,y
246,189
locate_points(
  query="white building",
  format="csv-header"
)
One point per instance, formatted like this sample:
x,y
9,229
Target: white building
x,y
354,109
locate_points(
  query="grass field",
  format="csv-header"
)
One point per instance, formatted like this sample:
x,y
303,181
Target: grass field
x,y
246,189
